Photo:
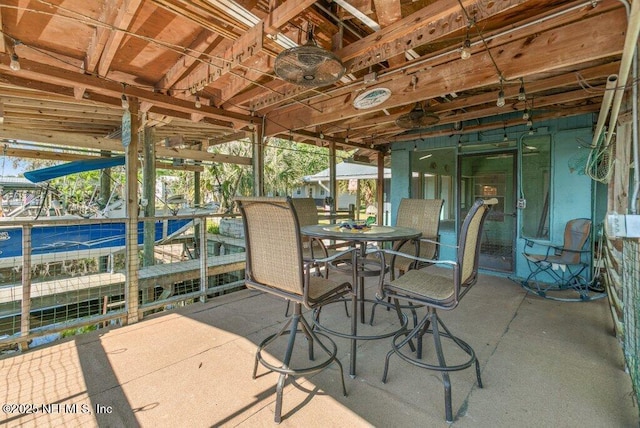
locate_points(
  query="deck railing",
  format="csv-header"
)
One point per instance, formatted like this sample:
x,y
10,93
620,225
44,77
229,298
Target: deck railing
x,y
63,292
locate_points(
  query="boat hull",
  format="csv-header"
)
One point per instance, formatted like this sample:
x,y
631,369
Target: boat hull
x,y
58,243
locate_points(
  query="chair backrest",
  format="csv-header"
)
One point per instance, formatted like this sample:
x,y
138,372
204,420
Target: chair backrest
x,y
307,211
576,234
273,246
422,215
469,242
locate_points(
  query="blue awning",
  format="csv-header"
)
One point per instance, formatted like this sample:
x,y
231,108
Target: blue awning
x,y
74,167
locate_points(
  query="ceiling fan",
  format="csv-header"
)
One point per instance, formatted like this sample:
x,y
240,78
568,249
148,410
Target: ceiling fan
x,y
418,117
309,64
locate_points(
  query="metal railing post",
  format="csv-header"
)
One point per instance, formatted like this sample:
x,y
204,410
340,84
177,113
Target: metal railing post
x,y
203,259
25,313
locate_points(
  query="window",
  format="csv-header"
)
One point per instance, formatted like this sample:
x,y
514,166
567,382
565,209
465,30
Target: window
x,y
535,184
432,178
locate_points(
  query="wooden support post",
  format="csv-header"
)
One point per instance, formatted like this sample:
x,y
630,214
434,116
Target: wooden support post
x,y
200,244
204,284
105,180
333,182
380,189
132,262
149,203
105,193
258,161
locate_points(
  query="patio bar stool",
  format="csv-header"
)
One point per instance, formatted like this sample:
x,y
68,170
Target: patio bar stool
x,y
275,265
438,291
422,215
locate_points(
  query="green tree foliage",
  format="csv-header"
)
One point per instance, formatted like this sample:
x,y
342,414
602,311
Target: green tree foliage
x,y
286,163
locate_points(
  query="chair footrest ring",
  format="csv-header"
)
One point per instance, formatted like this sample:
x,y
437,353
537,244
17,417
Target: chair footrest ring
x,y
446,368
401,330
332,356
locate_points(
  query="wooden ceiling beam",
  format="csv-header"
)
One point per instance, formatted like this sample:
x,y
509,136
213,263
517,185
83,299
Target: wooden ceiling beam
x,y
242,52
205,42
70,157
551,50
101,34
99,143
389,12
489,126
435,21
466,103
36,72
227,138
3,43
242,78
122,22
265,102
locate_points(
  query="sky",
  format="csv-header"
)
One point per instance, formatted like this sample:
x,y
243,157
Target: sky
x,y
7,169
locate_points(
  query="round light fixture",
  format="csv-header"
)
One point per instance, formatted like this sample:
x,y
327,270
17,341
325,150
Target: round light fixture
x,y
371,98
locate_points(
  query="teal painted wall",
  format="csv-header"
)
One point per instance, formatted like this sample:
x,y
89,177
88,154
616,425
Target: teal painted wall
x,y
572,192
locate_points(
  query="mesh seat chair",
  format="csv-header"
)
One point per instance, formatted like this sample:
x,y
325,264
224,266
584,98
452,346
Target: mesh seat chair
x,y
307,212
275,265
561,268
437,291
422,215
312,248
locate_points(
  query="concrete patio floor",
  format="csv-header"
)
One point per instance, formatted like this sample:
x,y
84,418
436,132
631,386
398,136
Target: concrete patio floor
x,y
544,363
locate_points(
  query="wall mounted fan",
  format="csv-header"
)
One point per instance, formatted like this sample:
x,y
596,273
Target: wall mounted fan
x,y
308,65
418,117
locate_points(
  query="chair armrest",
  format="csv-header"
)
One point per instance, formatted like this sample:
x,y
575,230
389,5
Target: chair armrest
x,y
409,256
381,254
437,242
557,250
545,246
334,256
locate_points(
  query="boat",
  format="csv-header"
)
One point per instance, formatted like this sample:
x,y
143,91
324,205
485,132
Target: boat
x,y
76,237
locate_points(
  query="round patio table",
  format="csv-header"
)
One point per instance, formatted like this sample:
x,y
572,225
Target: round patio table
x,y
362,237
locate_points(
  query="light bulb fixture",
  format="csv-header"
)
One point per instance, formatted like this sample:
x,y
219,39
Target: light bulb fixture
x,y
415,147
15,59
525,114
522,96
501,101
529,123
465,52
505,137
15,62
531,131
198,103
